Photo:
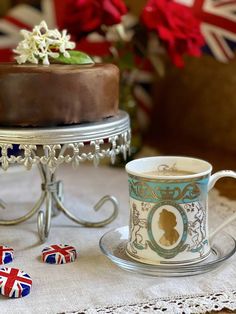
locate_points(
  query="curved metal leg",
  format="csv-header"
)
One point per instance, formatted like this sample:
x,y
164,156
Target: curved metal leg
x,y
60,192
49,183
86,223
60,195
36,207
3,204
44,218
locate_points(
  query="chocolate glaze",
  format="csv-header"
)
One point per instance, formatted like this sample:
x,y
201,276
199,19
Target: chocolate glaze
x,y
58,94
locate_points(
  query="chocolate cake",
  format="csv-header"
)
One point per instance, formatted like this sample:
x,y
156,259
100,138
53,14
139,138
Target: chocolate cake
x,y
58,94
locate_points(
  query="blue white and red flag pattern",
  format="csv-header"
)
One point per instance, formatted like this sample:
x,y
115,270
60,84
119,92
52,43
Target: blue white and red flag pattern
x,y
59,254
14,283
218,25
217,17
6,255
24,16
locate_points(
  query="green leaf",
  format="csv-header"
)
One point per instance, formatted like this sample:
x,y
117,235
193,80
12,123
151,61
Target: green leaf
x,y
76,57
127,61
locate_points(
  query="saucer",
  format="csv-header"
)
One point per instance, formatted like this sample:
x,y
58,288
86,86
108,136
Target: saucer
x,y
113,244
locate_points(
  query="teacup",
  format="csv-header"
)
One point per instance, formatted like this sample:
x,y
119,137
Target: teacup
x,y
169,209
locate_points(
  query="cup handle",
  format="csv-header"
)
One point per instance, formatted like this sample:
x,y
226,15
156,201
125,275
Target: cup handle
x,y
213,179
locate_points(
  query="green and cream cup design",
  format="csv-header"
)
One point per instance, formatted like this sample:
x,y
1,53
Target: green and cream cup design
x,y
169,209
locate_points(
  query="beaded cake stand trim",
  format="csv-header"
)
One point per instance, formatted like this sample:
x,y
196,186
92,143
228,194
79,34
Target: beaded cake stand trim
x,y
50,147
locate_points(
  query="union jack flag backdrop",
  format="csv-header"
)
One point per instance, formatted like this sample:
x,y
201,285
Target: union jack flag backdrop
x,y
14,283
25,17
218,25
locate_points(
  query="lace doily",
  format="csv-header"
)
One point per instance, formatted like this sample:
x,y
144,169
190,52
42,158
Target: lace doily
x,y
181,305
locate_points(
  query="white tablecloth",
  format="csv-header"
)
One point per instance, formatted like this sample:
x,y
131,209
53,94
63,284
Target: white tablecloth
x,y
93,284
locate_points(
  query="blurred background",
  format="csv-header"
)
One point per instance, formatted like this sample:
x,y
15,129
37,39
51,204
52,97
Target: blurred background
x,y
177,62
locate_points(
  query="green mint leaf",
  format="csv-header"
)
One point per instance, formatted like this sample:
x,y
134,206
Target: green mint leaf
x,y
76,57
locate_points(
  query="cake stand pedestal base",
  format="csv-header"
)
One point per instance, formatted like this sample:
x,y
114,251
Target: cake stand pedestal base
x,y
52,200
49,148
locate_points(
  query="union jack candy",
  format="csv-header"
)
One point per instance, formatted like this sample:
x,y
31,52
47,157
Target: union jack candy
x,y
6,254
14,283
59,254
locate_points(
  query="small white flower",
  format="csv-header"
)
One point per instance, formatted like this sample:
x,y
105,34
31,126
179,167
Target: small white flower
x,y
42,44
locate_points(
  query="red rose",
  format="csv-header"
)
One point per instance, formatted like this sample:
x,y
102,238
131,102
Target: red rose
x,y
176,27
84,16
113,11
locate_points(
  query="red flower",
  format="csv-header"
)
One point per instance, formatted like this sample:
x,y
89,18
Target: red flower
x,y
176,27
84,16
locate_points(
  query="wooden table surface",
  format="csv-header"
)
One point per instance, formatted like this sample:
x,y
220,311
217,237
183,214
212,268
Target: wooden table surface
x,y
220,160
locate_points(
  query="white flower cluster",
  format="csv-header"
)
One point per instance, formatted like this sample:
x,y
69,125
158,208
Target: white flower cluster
x,y
42,43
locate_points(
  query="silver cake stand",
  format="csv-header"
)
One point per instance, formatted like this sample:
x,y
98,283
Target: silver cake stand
x,y
48,148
